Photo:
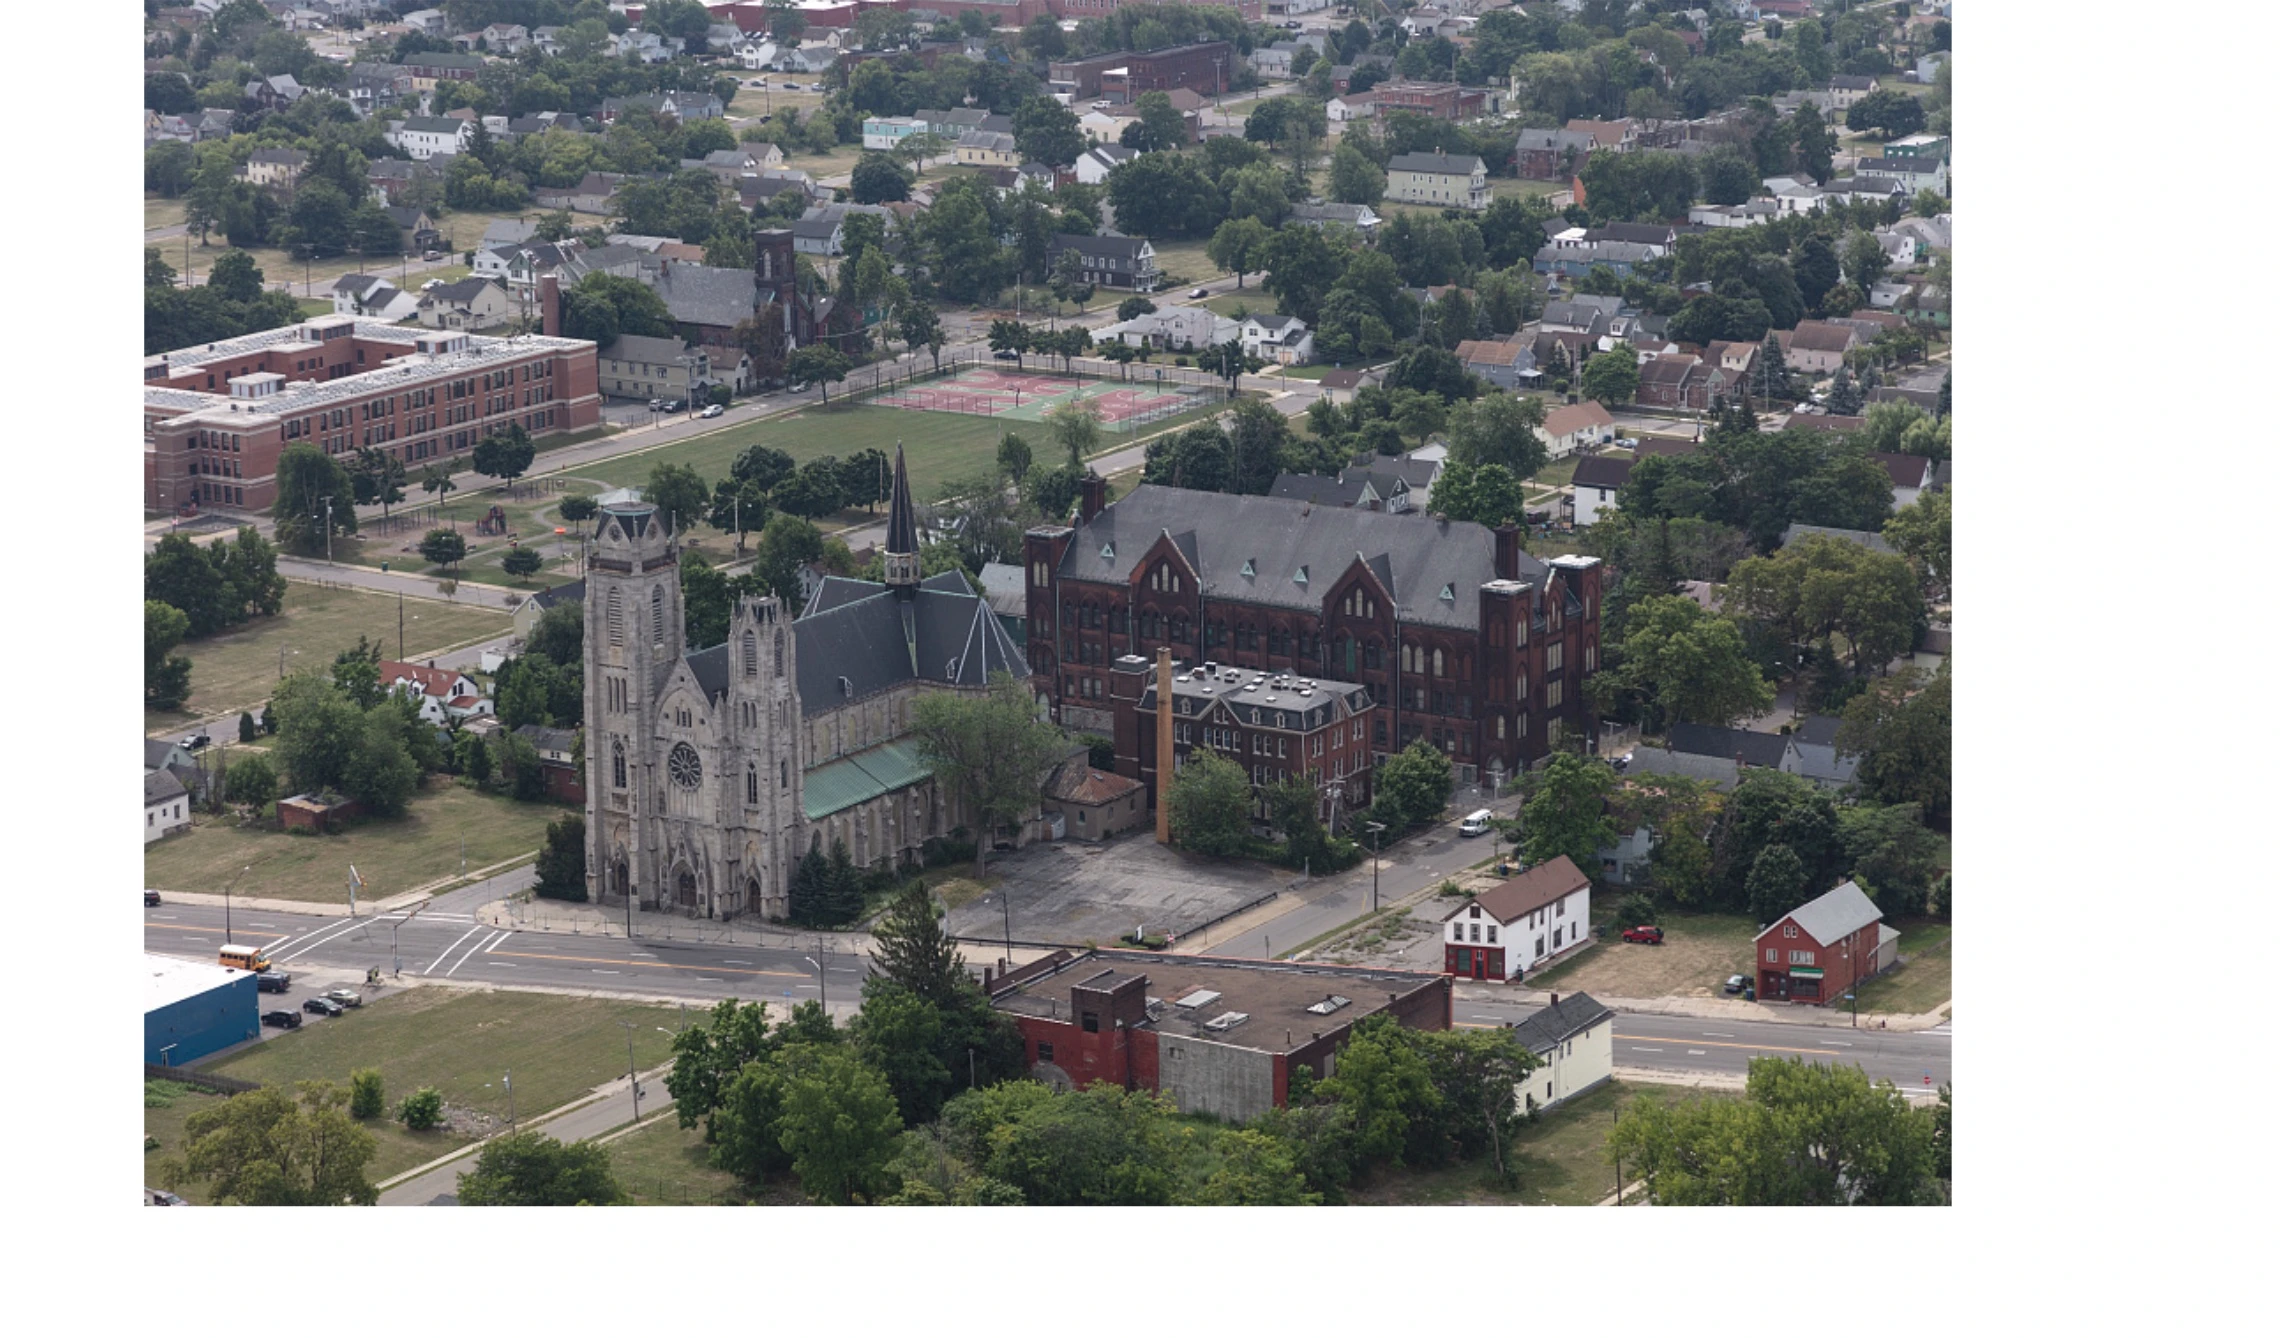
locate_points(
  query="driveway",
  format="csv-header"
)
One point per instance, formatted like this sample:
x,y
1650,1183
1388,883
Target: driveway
x,y
1073,892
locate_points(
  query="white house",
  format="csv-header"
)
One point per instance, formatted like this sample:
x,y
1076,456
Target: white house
x,y
378,298
166,805
1573,1039
1097,164
1518,925
1597,483
1287,343
425,137
1102,127
1574,428
1177,329
756,52
443,693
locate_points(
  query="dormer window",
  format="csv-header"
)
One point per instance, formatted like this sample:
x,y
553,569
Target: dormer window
x,y
1247,569
1105,552
1302,576
1447,594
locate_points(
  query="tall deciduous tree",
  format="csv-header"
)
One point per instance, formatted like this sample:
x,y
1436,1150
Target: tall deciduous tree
x,y
989,751
269,1148
1692,662
1208,805
531,1170
838,1123
1565,814
314,492
1902,727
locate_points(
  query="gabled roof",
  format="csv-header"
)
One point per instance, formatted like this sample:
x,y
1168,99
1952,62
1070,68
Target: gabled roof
x,y
157,751
1545,1030
161,786
571,592
432,682
1442,164
1076,782
1571,418
1741,745
1124,248
464,290
1494,352
858,638
1906,471
1539,886
1722,772
1829,917
644,348
1823,338
1602,471
706,294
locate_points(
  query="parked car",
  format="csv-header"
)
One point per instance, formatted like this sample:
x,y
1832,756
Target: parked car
x,y
1197,292
432,255
322,1007
1478,823
285,1019
347,998
273,982
1641,934
159,1198
194,742
712,411
655,404
672,406
150,898
792,88
1004,355
1735,984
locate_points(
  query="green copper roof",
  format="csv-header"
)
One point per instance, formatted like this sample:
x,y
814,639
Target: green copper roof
x,y
846,781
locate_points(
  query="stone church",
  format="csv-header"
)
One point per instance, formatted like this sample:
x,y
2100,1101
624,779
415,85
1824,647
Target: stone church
x,y
711,772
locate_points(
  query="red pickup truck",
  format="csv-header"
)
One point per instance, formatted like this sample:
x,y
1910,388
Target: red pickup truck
x,y
1641,934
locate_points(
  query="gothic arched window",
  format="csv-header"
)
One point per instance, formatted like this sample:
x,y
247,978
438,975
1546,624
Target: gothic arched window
x,y
778,652
612,616
658,615
619,767
747,654
754,795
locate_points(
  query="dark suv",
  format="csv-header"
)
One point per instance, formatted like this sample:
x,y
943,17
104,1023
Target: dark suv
x,y
322,1007
282,1018
273,982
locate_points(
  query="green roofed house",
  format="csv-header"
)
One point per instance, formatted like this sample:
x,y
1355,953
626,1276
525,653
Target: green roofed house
x,y
711,772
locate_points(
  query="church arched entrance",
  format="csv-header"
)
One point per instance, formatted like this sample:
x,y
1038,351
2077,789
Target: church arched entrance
x,y
754,896
620,876
686,887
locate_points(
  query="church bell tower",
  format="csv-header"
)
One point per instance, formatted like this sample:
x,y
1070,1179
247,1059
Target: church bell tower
x,y
633,641
901,548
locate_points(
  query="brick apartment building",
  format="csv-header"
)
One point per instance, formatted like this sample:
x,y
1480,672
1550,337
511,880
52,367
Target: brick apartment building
x,y
1273,725
1455,636
215,417
1123,76
1214,1035
1444,101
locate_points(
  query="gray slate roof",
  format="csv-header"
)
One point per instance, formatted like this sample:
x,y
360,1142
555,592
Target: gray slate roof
x,y
1744,745
1602,471
1829,917
161,786
571,592
644,348
1570,1016
1722,772
1220,534
1446,164
864,634
545,737
706,295
156,752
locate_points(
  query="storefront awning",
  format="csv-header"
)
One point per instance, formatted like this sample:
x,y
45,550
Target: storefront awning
x,y
1806,973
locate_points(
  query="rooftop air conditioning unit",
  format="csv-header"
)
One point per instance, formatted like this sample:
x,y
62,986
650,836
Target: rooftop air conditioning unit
x,y
1225,1021
1199,999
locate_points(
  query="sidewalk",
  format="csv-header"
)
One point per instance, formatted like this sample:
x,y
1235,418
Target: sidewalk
x,y
603,1109
561,917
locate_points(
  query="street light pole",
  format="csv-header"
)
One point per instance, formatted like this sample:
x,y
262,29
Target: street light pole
x,y
635,1094
1376,830
226,934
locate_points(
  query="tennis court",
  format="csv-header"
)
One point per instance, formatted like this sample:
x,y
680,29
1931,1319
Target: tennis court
x,y
1026,396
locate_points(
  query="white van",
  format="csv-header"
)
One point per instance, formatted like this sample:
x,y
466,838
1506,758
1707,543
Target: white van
x,y
1478,823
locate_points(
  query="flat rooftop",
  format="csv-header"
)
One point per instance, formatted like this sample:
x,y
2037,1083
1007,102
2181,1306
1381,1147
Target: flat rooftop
x,y
168,980
1295,702
1187,994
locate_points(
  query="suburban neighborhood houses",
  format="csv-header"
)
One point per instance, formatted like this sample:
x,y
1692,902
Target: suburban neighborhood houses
x,y
1047,602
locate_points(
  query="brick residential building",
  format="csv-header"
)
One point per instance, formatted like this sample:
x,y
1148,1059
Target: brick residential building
x,y
1123,76
1275,726
1214,1035
1519,924
215,417
1443,101
1455,636
1817,952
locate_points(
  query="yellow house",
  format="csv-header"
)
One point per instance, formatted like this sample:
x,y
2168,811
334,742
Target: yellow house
x,y
987,148
1443,179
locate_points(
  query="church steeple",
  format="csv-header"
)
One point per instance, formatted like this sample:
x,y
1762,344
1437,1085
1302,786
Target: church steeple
x,y
901,550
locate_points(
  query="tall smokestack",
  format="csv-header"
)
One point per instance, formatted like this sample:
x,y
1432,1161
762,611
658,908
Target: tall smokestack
x,y
551,317
1166,757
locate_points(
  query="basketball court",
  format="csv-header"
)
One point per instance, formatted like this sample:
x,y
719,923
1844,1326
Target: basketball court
x,y
1026,396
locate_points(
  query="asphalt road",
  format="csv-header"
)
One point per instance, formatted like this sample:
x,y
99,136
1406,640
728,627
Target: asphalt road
x,y
1707,1045
452,946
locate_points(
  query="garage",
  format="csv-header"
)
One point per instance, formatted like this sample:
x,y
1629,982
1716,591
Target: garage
x,y
193,1009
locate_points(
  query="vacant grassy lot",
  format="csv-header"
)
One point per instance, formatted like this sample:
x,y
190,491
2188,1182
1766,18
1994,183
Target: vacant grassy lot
x,y
166,1106
1924,978
1699,952
461,1042
163,213
393,855
239,667
662,1165
1560,1157
939,446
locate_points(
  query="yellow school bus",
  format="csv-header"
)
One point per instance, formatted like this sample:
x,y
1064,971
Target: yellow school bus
x,y
243,958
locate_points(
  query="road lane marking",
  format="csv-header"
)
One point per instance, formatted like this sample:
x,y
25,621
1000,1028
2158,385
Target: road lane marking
x,y
669,966
305,940
1489,1017
261,924
464,961
1648,1049
602,972
1717,1033
449,949
493,945
1735,1045
164,916
710,980
734,961
313,943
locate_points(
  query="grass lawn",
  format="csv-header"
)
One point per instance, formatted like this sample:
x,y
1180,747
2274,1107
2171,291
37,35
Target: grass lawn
x,y
314,306
1924,978
239,667
939,446
1497,187
1559,1158
1699,951
162,213
554,1048
166,1106
392,854
1184,264
661,1165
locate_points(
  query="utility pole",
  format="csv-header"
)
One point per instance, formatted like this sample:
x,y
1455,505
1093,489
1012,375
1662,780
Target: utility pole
x,y
1376,828
401,624
635,1093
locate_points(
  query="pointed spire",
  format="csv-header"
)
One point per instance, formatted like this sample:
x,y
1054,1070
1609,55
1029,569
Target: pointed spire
x,y
901,562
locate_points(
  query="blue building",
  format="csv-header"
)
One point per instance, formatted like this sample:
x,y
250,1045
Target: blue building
x,y
193,1009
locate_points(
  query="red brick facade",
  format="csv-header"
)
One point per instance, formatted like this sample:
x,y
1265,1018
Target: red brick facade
x,y
1841,964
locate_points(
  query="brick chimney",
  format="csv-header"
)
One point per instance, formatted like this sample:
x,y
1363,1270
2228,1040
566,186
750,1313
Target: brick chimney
x,y
551,317
1505,551
1092,499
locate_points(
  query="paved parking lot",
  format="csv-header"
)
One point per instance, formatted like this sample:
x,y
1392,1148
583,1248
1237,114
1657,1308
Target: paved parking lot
x,y
1069,892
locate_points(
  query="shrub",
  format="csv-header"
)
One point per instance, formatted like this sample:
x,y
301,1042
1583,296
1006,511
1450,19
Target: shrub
x,y
365,1094
1635,909
422,1111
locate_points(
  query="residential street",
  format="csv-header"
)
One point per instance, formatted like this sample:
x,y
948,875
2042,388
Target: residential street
x,y
1704,1045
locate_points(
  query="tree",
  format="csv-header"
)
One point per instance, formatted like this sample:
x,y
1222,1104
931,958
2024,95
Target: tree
x,y
1807,1134
1499,430
879,179
268,1148
422,1110
838,1123
820,365
378,476
1822,587
438,479
1413,786
1354,178
919,327
443,547
166,675
1902,728
318,730
1043,38
1610,378
1893,857
1691,662
1046,131
1208,805
1073,426
1384,1085
1255,1169
315,499
1924,534
504,453
245,727
1775,883
1813,142
251,781
380,771
1096,1146
473,760
989,752
679,493
1889,112
1014,456
562,871
1566,813
1235,245
521,562
366,1097
1487,495
1770,808
531,1170
357,673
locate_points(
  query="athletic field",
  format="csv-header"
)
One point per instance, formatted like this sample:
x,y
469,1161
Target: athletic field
x,y
1026,396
